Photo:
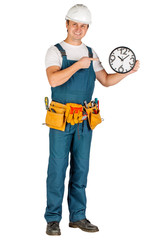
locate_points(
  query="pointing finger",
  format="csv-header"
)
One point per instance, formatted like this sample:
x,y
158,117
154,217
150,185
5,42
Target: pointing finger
x,y
94,59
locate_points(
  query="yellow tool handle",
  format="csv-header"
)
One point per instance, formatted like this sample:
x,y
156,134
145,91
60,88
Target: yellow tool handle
x,y
46,100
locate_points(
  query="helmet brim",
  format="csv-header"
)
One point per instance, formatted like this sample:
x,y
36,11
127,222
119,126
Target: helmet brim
x,y
79,21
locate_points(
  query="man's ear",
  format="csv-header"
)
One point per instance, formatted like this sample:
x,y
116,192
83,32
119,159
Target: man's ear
x,y
67,24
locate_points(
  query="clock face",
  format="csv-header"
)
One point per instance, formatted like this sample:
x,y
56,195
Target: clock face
x,y
122,59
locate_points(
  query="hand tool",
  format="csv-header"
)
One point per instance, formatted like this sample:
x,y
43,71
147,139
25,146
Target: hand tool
x,y
92,103
96,100
53,110
46,100
85,103
85,114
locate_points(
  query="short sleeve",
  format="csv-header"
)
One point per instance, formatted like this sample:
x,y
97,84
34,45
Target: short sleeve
x,y
97,66
53,57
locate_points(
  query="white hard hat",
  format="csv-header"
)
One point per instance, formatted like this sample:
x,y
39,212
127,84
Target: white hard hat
x,y
79,13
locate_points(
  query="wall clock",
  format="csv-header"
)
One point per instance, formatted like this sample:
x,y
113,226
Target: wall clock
x,y
122,59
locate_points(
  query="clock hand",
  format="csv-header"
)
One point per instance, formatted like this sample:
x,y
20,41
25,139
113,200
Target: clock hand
x,y
120,58
125,57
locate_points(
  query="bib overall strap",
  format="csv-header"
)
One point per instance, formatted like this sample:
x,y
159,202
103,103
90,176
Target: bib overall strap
x,y
90,53
62,51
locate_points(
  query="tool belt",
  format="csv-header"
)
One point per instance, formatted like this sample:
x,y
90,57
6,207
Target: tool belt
x,y
58,114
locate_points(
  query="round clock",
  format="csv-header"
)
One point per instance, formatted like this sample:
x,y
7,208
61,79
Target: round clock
x,y
122,59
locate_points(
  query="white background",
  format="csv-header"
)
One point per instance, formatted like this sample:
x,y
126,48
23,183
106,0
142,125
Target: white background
x,y
123,183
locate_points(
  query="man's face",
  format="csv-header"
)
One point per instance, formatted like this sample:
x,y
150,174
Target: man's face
x,y
76,30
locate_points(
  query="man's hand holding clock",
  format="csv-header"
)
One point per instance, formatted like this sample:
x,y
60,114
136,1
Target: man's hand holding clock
x,y
136,67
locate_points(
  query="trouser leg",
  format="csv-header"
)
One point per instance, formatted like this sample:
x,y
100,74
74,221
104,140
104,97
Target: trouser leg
x,y
80,151
58,161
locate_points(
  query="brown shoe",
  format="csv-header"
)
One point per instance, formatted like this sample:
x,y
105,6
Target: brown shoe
x,y
84,225
53,228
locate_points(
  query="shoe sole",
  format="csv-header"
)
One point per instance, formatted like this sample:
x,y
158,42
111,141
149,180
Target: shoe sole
x,y
53,234
83,229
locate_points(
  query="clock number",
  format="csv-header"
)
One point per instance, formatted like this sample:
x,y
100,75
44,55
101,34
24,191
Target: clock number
x,y
132,58
121,51
112,58
131,64
125,52
121,69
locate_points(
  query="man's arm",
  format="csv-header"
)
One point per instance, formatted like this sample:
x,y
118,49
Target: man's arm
x,y
57,77
111,79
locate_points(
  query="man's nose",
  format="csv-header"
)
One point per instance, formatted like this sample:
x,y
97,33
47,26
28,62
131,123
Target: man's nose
x,y
78,28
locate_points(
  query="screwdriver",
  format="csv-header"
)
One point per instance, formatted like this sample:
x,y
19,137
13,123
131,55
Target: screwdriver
x,y
46,100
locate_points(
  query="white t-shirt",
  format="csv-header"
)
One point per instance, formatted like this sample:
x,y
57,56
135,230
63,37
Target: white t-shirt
x,y
54,58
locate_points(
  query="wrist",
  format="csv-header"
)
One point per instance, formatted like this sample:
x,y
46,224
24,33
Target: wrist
x,y
77,65
123,75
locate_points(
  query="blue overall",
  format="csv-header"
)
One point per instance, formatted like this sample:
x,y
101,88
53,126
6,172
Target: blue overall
x,y
76,141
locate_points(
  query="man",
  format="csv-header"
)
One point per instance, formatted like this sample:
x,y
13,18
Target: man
x,y
72,68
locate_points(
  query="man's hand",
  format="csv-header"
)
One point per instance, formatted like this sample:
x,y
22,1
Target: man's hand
x,y
136,67
111,79
86,61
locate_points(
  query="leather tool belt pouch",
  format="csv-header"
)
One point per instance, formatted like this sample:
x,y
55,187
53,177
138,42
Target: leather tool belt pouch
x,y
94,117
55,117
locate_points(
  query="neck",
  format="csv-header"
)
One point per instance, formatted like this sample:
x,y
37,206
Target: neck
x,y
75,42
